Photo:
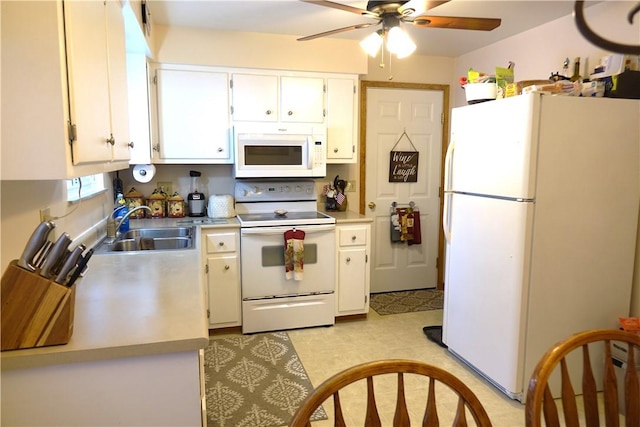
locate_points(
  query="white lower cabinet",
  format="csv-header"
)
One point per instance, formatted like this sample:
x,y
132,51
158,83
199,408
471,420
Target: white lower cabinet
x,y
353,247
222,275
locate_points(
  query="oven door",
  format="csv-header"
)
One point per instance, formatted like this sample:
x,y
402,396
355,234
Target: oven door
x,y
263,266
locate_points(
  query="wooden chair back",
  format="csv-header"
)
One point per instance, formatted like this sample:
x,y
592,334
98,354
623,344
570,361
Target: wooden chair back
x,y
540,402
467,402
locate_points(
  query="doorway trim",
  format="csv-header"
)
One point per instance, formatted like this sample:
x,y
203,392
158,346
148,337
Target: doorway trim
x,y
366,84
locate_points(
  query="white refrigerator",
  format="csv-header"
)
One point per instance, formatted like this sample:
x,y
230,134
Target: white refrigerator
x,y
540,219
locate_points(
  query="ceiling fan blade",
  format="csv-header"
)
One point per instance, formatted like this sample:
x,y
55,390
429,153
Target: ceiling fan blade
x,y
336,31
419,6
341,6
455,22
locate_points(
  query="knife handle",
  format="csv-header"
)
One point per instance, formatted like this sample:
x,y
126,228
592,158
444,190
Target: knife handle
x,y
82,265
69,263
54,255
34,244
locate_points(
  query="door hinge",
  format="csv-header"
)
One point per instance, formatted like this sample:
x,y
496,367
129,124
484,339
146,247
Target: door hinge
x,y
231,109
324,112
324,88
353,149
442,118
366,298
73,132
206,269
366,258
208,314
230,83
155,79
354,89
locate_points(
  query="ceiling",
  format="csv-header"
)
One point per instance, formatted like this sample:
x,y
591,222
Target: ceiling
x,y
298,19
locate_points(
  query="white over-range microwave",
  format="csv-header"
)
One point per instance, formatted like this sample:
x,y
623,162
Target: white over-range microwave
x,y
280,152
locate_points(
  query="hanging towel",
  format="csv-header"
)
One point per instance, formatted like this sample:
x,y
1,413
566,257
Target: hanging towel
x,y
395,226
293,254
417,234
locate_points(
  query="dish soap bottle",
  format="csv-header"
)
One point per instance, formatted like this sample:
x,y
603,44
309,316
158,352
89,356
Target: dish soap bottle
x,y
120,210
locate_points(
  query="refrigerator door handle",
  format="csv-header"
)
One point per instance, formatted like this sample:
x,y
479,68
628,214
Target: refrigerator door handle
x,y
448,165
446,217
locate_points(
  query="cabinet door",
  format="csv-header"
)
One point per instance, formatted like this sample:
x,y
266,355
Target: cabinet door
x,y
138,91
341,120
86,40
224,290
193,116
302,99
352,289
255,98
118,98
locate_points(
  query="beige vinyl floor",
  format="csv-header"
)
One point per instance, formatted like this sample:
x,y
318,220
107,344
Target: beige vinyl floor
x,y
325,351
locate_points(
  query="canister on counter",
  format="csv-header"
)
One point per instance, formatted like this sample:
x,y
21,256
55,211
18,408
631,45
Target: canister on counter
x,y
134,198
156,201
175,206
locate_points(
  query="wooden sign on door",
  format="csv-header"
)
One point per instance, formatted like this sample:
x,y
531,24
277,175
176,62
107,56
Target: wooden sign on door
x,y
403,166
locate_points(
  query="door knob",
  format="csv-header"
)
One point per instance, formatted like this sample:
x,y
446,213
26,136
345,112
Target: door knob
x,y
372,205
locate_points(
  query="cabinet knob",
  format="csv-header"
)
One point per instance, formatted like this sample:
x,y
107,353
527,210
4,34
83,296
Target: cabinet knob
x,y
130,144
353,238
349,259
226,267
268,112
220,149
290,113
372,205
111,140
335,150
156,148
221,244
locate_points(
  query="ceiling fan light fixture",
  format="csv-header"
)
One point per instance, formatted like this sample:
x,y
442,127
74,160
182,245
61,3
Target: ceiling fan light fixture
x,y
399,42
371,44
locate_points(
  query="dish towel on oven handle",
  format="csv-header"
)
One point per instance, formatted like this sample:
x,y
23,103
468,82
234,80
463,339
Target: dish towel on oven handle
x,y
294,254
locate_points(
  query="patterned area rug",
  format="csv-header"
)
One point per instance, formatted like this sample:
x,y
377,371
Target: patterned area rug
x,y
407,301
254,380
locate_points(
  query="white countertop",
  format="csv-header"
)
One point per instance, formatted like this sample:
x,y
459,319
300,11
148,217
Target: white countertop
x,y
132,304
347,217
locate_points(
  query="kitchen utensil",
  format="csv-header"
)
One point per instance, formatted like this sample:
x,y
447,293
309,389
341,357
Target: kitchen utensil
x,y
196,201
70,262
34,244
80,268
55,255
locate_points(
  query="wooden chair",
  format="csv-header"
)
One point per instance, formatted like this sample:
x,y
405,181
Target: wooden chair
x,y
539,399
466,399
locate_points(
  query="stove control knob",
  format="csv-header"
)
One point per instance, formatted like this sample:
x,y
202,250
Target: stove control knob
x,y
286,189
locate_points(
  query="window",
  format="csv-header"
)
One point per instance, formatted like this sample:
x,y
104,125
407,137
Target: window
x,y
85,187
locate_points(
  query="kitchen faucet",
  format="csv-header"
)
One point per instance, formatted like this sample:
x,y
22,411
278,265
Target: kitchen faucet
x,y
113,228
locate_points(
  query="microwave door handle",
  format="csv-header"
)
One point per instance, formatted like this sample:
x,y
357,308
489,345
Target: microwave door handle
x,y
261,231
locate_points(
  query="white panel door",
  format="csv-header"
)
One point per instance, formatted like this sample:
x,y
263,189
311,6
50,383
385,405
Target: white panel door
x,y
398,266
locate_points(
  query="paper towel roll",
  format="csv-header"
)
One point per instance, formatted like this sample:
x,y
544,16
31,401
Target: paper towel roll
x,y
144,173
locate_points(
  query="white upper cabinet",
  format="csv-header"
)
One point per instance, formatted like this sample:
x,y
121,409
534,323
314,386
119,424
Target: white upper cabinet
x,y
342,119
193,117
302,99
64,99
274,98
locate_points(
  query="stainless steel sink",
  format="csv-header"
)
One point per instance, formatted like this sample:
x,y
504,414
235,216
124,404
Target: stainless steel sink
x,y
149,239
155,233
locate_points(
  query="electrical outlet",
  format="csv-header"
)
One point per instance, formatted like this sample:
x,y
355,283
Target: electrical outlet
x,y
352,185
166,186
45,214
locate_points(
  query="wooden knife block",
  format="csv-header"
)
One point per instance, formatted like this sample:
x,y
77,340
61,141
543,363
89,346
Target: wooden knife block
x,y
36,312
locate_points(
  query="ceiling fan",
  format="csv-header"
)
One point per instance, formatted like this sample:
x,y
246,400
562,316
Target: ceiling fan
x,y
391,13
